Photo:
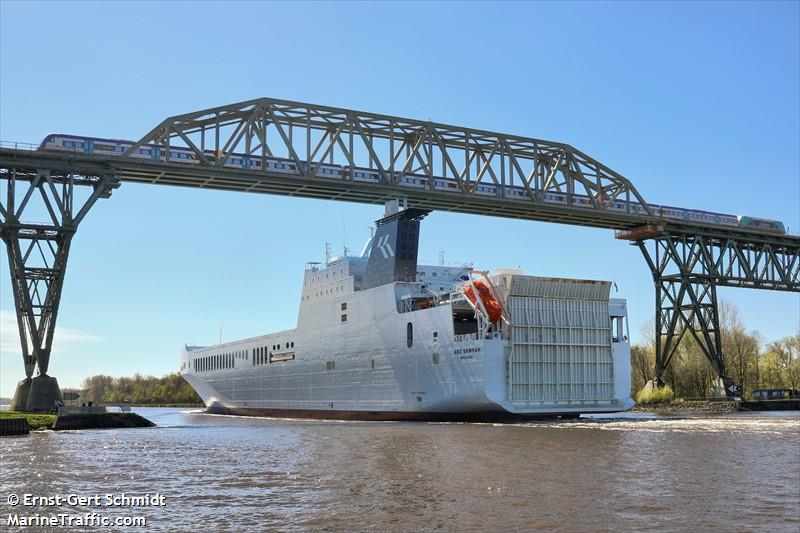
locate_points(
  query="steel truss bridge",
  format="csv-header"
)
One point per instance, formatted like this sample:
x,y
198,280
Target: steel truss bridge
x,y
688,260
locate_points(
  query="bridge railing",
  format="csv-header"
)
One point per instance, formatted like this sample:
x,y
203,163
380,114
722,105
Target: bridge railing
x,y
15,145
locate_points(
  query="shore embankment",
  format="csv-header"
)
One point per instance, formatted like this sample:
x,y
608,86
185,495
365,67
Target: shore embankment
x,y
689,407
37,421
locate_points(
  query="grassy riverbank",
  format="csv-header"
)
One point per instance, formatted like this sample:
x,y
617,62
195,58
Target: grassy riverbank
x,y
39,421
35,420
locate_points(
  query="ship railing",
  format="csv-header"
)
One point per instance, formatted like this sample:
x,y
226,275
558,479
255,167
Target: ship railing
x,y
467,337
477,336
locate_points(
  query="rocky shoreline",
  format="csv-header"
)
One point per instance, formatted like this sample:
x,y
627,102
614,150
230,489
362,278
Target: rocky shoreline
x,y
692,407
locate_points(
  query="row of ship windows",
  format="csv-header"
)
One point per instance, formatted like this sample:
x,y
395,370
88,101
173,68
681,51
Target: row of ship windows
x,y
214,362
227,360
327,276
338,288
262,356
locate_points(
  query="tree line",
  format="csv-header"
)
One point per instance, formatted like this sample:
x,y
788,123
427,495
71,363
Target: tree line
x,y
140,390
749,360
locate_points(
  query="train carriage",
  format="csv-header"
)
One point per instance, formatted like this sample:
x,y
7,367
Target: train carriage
x,y
183,155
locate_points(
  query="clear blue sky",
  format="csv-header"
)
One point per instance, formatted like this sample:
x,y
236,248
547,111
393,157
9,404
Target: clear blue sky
x,y
696,103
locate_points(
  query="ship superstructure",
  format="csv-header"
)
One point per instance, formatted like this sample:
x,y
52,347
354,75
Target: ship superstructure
x,y
380,337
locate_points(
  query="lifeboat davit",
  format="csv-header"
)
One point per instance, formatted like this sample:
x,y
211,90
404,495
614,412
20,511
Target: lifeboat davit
x,y
491,305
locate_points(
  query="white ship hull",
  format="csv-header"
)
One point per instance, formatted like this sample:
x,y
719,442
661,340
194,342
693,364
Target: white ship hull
x,y
364,368
437,344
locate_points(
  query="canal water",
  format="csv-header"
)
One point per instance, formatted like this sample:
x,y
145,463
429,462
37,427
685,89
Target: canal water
x,y
738,472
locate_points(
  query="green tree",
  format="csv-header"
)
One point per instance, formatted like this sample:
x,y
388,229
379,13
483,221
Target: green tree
x,y
787,356
142,390
690,374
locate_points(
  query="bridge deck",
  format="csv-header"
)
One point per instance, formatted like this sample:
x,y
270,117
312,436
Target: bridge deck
x,y
265,182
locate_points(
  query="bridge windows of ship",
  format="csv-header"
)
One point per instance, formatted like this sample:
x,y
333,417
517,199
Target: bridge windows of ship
x,y
410,334
344,317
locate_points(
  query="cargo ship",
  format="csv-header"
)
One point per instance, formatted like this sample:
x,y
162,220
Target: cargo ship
x,y
381,337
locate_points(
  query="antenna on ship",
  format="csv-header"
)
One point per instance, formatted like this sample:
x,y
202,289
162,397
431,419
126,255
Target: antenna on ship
x,y
441,258
327,253
221,325
344,232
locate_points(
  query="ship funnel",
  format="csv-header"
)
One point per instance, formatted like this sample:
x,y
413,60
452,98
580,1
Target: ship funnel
x,y
393,249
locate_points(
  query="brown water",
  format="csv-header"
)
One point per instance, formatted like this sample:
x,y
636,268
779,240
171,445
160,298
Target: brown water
x,y
740,472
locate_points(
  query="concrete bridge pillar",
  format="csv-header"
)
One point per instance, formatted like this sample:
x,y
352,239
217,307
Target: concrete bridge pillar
x,y
44,394
20,400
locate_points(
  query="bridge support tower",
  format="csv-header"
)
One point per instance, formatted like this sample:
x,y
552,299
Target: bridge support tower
x,y
688,266
37,260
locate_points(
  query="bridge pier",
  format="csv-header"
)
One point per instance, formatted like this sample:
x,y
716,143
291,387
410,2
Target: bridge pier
x,y
686,301
37,258
689,263
19,402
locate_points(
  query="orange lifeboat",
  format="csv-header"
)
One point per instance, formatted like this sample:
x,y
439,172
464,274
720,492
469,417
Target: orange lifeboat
x,y
491,305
